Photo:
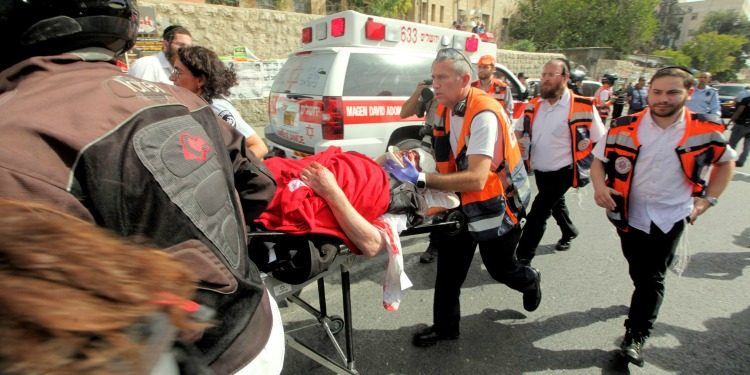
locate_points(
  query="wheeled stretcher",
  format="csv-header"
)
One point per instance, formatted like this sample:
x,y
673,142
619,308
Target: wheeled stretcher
x,y
449,222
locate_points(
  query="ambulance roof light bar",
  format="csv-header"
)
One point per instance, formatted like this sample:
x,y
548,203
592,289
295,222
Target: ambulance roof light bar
x,y
380,31
338,27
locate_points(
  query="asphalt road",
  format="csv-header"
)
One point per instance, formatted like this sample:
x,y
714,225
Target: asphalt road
x,y
703,326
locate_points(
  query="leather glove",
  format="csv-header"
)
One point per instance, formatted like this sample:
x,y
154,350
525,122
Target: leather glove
x,y
408,173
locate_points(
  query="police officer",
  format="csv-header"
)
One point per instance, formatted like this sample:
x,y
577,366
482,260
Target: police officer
x,y
472,143
648,201
705,99
493,86
138,158
552,120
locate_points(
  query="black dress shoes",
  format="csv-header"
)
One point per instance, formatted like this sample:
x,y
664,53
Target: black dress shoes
x,y
631,347
533,298
429,337
564,243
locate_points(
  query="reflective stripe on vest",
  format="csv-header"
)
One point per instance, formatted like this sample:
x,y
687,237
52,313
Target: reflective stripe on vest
x,y
494,211
702,145
580,120
496,90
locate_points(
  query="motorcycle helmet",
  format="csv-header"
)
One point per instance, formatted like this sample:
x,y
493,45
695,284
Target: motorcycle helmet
x,y
609,78
50,27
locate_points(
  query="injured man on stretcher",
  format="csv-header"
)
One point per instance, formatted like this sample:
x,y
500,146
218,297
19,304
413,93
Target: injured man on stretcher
x,y
352,198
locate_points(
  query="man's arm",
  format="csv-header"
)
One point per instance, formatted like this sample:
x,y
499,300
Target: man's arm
x,y
714,107
472,179
602,193
364,235
409,108
737,112
720,177
256,145
509,103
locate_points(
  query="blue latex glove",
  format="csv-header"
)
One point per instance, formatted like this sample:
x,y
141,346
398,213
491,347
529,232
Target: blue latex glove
x,y
408,173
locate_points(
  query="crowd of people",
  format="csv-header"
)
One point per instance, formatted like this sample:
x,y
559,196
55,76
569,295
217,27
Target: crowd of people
x,y
158,162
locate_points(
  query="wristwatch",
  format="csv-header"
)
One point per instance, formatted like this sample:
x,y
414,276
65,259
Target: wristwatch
x,y
421,181
711,200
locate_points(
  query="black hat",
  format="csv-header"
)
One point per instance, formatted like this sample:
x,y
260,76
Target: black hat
x,y
168,29
521,75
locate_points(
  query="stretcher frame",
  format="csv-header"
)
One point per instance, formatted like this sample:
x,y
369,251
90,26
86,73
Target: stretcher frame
x,y
333,324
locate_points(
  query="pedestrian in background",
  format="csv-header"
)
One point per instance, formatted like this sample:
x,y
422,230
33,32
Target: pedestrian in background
x,y
493,86
618,103
158,67
637,96
705,99
741,130
648,195
603,97
562,127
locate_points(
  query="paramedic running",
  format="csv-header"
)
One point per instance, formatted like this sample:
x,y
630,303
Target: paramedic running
x,y
477,155
648,174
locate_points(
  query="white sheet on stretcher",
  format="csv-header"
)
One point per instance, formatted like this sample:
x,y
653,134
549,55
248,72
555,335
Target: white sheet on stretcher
x,y
396,281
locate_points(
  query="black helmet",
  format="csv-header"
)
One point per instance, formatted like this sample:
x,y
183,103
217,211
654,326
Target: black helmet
x,y
577,75
49,27
610,78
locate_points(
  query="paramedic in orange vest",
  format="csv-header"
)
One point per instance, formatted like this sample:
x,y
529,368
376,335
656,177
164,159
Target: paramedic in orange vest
x,y
477,155
493,86
562,127
654,163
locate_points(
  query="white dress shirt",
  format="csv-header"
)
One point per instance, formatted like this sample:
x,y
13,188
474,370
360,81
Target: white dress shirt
x,y
154,68
659,192
551,147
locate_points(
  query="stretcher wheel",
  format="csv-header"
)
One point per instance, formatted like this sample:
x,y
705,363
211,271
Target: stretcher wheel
x,y
337,324
460,220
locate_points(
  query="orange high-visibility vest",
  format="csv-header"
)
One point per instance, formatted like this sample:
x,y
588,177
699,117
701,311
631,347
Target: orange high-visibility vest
x,y
496,90
702,145
580,120
495,210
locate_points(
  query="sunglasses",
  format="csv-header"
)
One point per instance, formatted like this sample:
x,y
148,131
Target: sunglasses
x,y
452,53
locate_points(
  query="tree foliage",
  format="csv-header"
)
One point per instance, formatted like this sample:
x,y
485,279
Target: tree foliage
x,y
729,22
713,51
522,45
623,25
383,8
678,58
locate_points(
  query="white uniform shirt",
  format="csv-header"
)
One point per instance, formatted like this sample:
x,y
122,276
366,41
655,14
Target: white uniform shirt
x,y
551,139
224,109
705,100
154,68
659,192
483,138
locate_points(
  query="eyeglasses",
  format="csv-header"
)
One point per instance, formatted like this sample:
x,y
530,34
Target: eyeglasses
x,y
176,72
452,53
550,75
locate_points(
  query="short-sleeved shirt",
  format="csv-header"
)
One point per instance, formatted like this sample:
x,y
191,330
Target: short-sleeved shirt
x,y
224,109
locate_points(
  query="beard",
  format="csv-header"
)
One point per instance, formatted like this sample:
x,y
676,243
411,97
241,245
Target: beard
x,y
667,111
553,92
483,76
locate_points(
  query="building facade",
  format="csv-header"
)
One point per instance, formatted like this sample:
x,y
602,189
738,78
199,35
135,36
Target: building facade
x,y
691,14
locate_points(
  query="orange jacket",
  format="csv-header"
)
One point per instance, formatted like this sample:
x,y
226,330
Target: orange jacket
x,y
496,90
580,120
702,145
495,210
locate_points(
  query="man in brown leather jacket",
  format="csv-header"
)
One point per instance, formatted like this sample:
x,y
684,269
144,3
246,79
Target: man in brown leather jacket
x,y
139,158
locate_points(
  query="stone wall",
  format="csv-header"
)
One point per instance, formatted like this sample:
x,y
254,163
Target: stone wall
x,y
273,34
625,69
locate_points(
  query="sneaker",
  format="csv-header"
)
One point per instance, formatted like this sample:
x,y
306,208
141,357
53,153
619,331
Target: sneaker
x,y
631,347
429,256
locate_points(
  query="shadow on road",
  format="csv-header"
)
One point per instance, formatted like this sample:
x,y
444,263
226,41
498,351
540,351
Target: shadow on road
x,y
492,342
717,266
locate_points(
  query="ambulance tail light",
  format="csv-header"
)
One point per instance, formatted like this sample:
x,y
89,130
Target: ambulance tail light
x,y
374,30
307,35
332,122
472,44
338,27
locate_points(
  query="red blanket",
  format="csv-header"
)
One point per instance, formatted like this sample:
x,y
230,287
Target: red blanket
x,y
296,209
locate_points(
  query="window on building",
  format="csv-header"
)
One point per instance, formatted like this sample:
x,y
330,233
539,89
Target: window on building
x,y
442,14
302,6
264,4
423,16
432,13
694,16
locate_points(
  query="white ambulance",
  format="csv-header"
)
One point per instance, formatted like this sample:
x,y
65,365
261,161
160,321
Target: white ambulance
x,y
346,86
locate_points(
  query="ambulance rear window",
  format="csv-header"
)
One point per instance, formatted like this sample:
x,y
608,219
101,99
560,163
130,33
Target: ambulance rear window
x,y
304,74
385,75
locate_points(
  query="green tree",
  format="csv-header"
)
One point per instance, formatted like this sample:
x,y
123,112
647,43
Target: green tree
x,y
678,58
522,45
729,22
622,25
383,8
713,51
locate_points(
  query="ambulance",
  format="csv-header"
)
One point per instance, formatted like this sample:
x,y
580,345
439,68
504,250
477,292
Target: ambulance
x,y
346,86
